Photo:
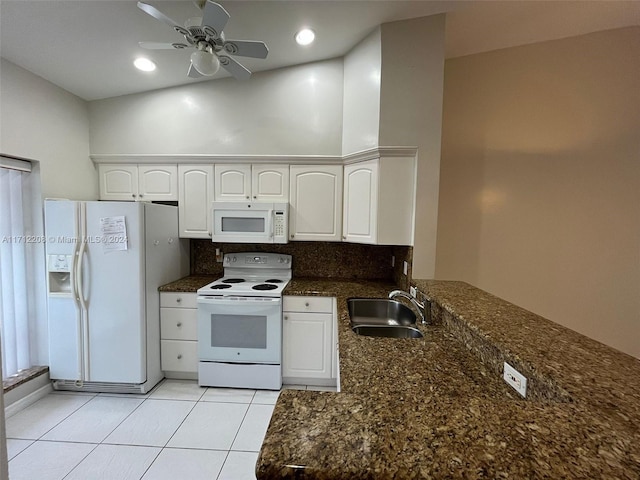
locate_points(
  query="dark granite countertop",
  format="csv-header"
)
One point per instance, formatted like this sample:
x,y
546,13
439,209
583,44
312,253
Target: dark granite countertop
x,y
190,283
438,408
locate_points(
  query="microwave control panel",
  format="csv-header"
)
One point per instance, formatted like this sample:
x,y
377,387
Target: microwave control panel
x,y
278,224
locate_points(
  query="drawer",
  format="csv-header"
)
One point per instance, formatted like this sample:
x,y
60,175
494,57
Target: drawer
x,y
180,300
307,304
179,356
179,324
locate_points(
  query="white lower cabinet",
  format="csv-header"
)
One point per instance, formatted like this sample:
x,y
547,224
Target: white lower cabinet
x,y
179,335
308,341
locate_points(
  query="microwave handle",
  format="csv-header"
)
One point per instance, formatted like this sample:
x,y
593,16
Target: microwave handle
x,y
272,214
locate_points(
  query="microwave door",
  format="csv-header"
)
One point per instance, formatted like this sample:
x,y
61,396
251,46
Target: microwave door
x,y
241,226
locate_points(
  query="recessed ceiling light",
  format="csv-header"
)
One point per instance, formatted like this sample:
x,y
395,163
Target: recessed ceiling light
x,y
305,36
144,64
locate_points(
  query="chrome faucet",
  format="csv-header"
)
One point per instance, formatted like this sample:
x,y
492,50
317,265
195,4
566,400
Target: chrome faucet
x,y
420,307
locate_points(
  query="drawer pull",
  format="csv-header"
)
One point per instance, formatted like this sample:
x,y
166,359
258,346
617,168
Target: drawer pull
x,y
178,299
179,324
306,304
179,356
286,317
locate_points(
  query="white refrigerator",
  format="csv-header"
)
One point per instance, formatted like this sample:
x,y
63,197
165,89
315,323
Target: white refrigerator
x,y
105,262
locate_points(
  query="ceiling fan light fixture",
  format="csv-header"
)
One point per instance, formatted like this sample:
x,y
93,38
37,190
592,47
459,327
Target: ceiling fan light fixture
x,y
306,36
205,63
144,64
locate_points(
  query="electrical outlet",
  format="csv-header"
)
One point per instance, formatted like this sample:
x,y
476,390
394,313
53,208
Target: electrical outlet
x,y
413,291
515,379
405,268
393,260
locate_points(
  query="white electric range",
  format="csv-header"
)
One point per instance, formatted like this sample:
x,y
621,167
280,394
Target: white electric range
x,y
240,322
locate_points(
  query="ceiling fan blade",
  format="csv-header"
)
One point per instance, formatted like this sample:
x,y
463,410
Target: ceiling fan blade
x,y
238,71
214,16
158,15
193,73
246,48
162,45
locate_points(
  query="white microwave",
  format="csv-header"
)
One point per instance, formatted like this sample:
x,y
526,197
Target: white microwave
x,y
250,222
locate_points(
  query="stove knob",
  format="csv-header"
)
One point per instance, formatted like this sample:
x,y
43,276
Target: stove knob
x,y
234,259
281,260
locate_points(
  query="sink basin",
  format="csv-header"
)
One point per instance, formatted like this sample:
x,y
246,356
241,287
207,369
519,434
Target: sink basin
x,y
379,311
381,317
393,331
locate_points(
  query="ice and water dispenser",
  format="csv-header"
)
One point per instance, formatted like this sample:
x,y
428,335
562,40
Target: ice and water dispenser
x,y
59,271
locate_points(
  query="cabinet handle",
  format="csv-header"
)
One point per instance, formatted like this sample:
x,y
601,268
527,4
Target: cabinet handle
x,y
247,197
306,304
344,237
179,324
179,356
255,196
141,195
133,195
292,235
286,317
178,299
210,234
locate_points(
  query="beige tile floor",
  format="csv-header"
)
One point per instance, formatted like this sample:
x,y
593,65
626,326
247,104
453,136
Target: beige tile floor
x,y
180,430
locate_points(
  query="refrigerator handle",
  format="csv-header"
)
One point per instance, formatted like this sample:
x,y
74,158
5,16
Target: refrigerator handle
x,y
79,275
76,291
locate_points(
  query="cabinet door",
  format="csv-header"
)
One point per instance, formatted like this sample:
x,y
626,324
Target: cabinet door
x,y
158,182
316,202
118,182
195,194
361,202
307,345
232,183
270,183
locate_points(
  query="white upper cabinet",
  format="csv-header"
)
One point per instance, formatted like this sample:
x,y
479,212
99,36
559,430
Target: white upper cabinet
x,y
232,183
270,183
138,182
118,182
195,194
316,202
260,183
379,201
158,182
360,202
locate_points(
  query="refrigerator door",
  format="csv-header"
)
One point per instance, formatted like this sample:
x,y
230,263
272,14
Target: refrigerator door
x,y
113,287
64,315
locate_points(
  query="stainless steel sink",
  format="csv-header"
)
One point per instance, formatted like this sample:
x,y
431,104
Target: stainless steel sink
x,y
393,331
381,317
379,311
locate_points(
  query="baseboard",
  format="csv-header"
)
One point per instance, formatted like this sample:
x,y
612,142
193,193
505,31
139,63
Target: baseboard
x,y
27,400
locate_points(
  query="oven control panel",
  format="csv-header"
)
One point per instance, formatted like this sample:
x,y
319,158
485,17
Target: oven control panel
x,y
255,260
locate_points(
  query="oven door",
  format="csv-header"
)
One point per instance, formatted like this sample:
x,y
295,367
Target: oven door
x,y
240,329
242,222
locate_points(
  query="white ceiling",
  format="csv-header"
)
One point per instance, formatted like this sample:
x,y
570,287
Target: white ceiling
x,y
87,47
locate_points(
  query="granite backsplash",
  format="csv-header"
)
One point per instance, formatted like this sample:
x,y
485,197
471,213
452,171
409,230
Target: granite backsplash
x,y
317,259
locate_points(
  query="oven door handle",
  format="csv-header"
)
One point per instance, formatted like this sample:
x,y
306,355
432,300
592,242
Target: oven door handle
x,y
240,301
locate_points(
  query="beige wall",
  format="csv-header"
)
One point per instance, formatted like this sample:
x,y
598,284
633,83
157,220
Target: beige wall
x,y
40,121
540,180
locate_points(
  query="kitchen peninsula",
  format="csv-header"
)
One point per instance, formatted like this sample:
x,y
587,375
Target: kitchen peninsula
x,y
438,408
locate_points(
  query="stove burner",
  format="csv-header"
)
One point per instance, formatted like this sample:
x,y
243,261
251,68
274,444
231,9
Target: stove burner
x,y
219,287
274,280
264,286
233,280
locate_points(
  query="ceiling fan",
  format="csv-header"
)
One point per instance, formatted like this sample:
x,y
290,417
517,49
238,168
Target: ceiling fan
x,y
205,34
